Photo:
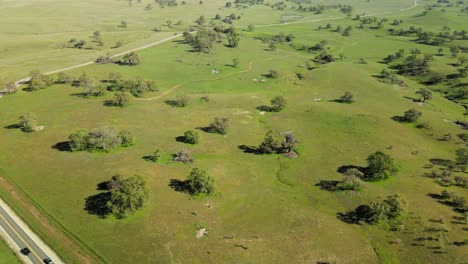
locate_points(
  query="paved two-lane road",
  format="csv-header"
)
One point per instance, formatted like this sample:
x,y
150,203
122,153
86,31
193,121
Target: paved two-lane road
x,y
19,237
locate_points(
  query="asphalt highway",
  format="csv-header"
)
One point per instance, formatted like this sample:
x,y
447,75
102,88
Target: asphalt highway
x,y
21,238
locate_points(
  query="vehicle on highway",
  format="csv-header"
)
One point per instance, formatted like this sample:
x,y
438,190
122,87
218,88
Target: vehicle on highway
x,y
48,261
25,251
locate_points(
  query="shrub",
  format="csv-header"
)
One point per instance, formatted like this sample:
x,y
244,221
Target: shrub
x,y
412,115
199,182
220,125
191,137
28,122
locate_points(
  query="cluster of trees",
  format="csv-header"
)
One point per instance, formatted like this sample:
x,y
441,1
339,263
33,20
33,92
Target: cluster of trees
x,y
430,38
169,3
387,76
205,38
380,166
446,178
100,139
120,99
136,87
39,81
387,213
457,201
323,58
77,44
271,145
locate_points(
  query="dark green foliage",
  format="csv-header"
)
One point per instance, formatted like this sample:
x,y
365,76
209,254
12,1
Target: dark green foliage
x,y
269,144
347,98
136,87
199,182
413,66
380,166
156,156
388,213
203,40
323,58
425,94
191,137
273,74
99,139
233,37
435,78
462,158
127,196
131,59
391,77
411,115
278,104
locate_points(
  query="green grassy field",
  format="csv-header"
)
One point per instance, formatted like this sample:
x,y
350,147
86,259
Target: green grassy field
x,y
268,204
6,256
35,34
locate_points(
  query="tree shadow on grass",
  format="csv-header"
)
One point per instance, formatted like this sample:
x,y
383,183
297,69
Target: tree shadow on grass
x,y
103,186
416,100
349,217
331,186
400,119
13,126
441,162
80,95
344,168
180,139
149,158
97,204
208,129
179,186
265,108
62,146
250,149
172,103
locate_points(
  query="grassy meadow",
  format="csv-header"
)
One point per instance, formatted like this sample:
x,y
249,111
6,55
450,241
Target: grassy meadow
x,y
6,256
267,208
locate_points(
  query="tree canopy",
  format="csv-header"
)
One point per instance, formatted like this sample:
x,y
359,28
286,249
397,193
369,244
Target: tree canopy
x,y
380,166
127,196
